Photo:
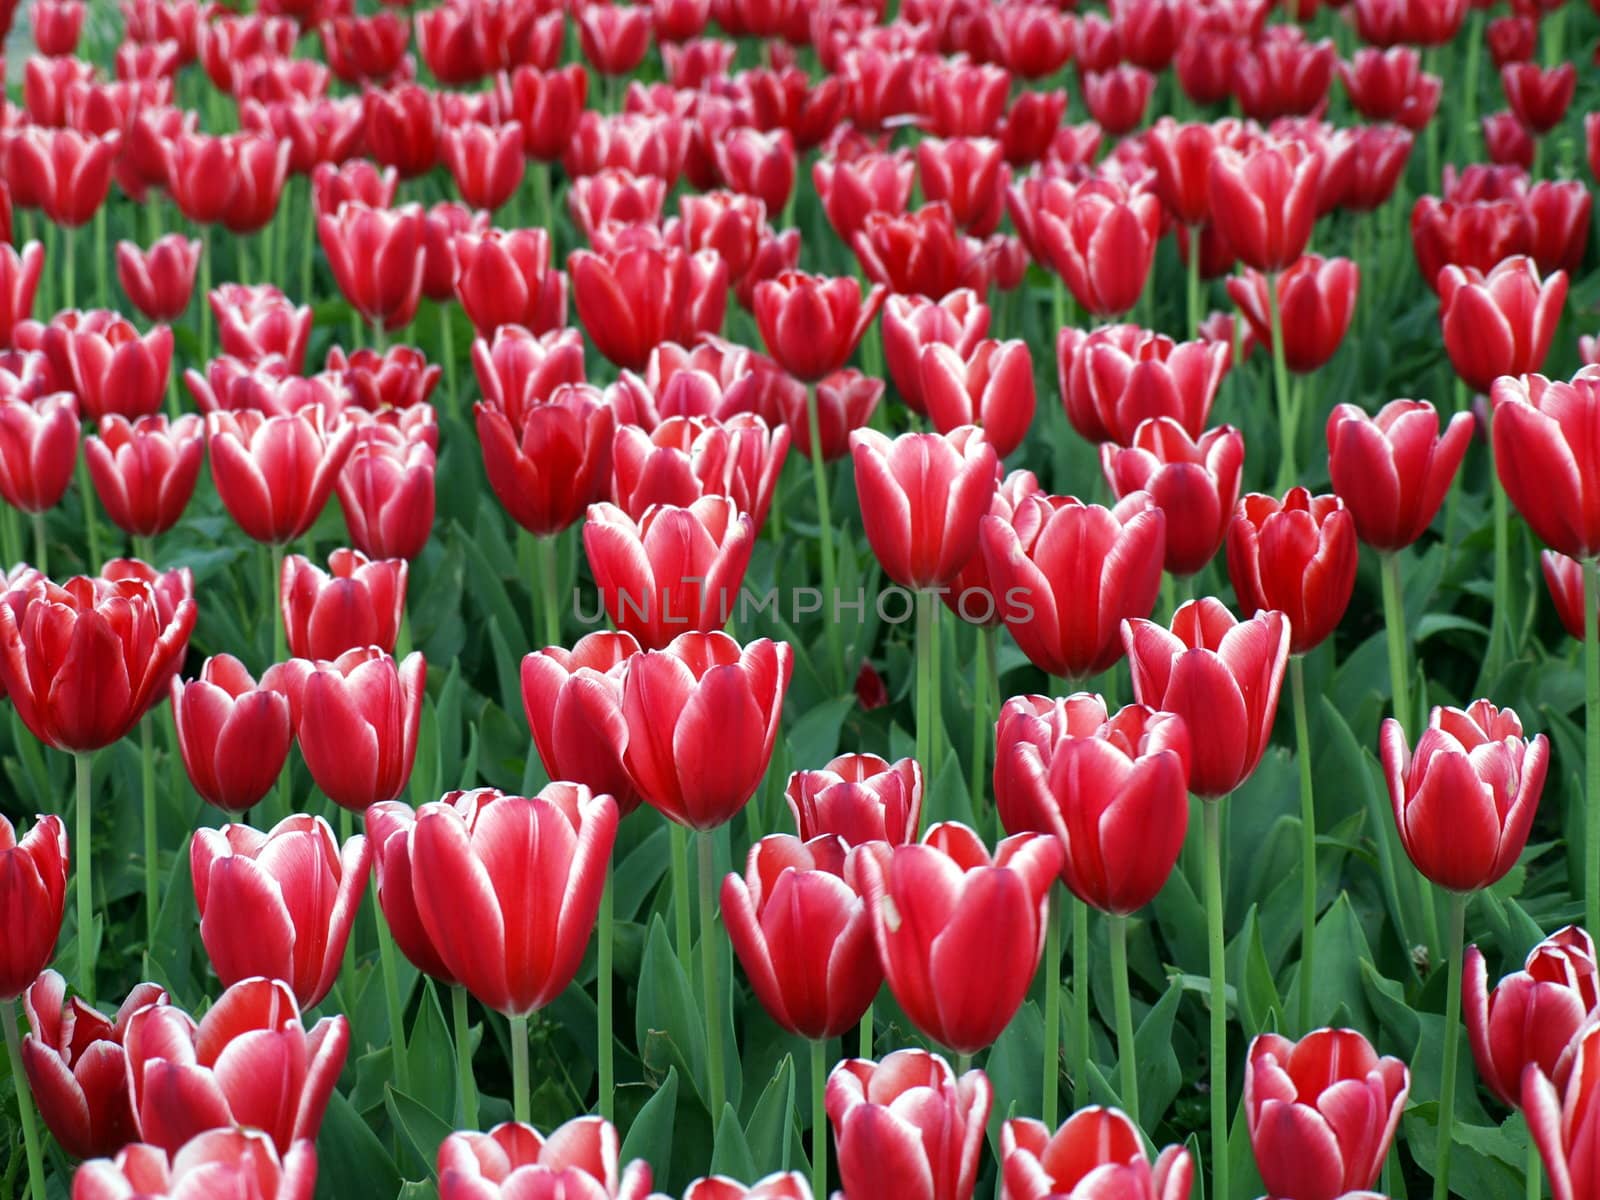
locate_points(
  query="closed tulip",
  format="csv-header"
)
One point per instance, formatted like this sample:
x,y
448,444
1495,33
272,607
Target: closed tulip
x,y
391,828
1264,202
402,128
1500,323
1507,140
908,1126
357,725
992,388
249,1062
811,323
359,180
233,180
1117,97
441,224
1113,791
945,911
1117,376
614,195
486,161
33,893
519,371
548,104
274,474
801,932
76,1067
219,1163
1390,85
112,367
256,322
573,701
234,734
1297,556
913,323
1103,244
614,38
1465,798
1393,470
363,50
1219,674
850,189
376,256
1544,457
1564,1118
632,300
386,491
1532,1017
279,904
1316,299
83,661
19,279
846,401
68,173
1564,577
860,798
159,281
1539,97
1096,1152
1322,1112
548,473
356,602
1194,481
702,719
38,450
511,1161
509,922
757,163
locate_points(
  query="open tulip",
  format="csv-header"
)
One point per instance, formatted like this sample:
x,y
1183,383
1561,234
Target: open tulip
x,y
581,1158
1500,323
1564,1118
274,473
1114,377
549,471
1393,470
1194,481
254,322
1097,1152
860,798
991,387
811,323
354,603
233,733
912,323
1297,556
220,1164
685,458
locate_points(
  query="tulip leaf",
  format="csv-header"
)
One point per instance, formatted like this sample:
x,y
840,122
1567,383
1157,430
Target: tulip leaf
x,y
1336,978
1160,1073
767,1134
650,1135
351,1161
641,871
1014,1065
169,959
1259,1004
425,784
730,1154
508,671
488,591
431,1056
1395,1016
422,1127
814,739
669,1026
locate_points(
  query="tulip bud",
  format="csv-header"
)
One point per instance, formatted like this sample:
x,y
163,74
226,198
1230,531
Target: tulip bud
x,y
1194,481
158,282
548,472
274,473
376,256
355,603
1316,299
234,734
1500,323
357,725
245,1159
32,897
581,1155
1393,470
38,450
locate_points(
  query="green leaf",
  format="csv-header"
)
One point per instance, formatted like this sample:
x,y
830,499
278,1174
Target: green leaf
x,y
422,1127
1337,978
431,1055
730,1154
814,739
351,1161
669,1027
650,1135
767,1134
1160,1073
168,960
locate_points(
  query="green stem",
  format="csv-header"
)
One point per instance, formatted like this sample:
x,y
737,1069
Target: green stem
x,y
1500,635
602,989
396,1002
147,781
680,894
963,1064
708,966
1394,620
1051,1066
866,1033
280,634
1555,36
924,650
520,1105
308,246
69,236
41,544
819,1119
30,1129
12,536
1308,842
466,1085
1452,1043
549,590
202,296
1287,433
1534,1174
547,210
101,287
1195,315
346,831
830,595
1591,741
1127,1051
447,351
91,527
83,853
1212,810
1080,1003
1467,127
380,337
980,719
935,685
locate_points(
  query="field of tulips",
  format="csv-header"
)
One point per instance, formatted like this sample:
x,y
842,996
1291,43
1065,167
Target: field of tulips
x,y
928,599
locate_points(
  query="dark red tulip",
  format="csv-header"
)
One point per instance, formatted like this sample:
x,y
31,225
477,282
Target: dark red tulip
x,y
860,798
1558,223
274,474
678,21
158,282
1507,140
76,1067
1103,244
33,894
1283,74
1540,98
1219,674
486,162
1393,470
551,469
811,323
1316,300
245,1158
548,104
376,256
1511,39
402,128
1501,323
357,725
1117,376
634,299
144,471
1036,39
1264,202
355,603
367,49
871,693
234,733
1194,481
1297,556
38,450
1096,1147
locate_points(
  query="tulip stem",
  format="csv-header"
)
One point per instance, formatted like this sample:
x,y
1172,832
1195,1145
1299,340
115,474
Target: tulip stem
x,y
1452,1042
203,297
708,963
680,894
1288,434
1500,635
547,212
1394,620
466,1084
830,594
30,1129
1127,1051
147,781
1212,812
1591,738
1080,1002
1308,841
1534,1176
980,718
397,1009
83,852
447,351
549,590
1195,316
280,635
1052,1008
520,1106
69,238
101,287
602,991
91,527
866,1033
819,1118
924,686
41,544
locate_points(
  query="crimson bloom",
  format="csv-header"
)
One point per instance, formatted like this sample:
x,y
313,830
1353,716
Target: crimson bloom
x,y
811,323
913,323
68,173
356,602
1539,97
1297,556
1393,470
19,279
635,298
33,893
159,281
1564,577
486,161
1500,323
1096,1148
1103,244
505,278
573,701
274,474
1316,299
245,1159
1564,1118
991,388
1544,456
357,720
376,256
1194,481
515,1160
234,734
859,798
38,450
386,491
256,322
558,463
1114,377
1264,201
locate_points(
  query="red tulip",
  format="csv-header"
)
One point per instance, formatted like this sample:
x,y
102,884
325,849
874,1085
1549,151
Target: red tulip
x,y
319,131
642,143
1465,799
19,278
274,473
573,701
391,830
1117,97
783,1185
357,725
1511,39
233,180
83,661
362,50
967,174
511,1161
558,464
76,1067
1564,577
144,471
614,195
1117,376
33,892
1097,1152
376,258
225,1158
1533,1016
1379,158
1316,299
234,733
1507,140
971,594
678,21
1299,557
518,371
440,226
355,603
1220,675
1180,156
1563,1118
1283,74
56,26
759,164
1501,323
943,910
256,322
614,37
1103,244
506,279
358,180
1558,223
38,450
249,1062
1113,791
512,928
852,190
1322,1112
112,368
68,173
548,104
1540,98
992,388
1194,481
1543,457
1393,470
1264,201
279,904
801,933
386,491
159,282
912,323
811,323
486,161
402,128
685,458
859,798
845,402
634,299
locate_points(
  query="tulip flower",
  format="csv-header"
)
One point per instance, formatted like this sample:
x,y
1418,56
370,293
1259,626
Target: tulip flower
x,y
992,388
811,323
376,259
550,471
512,1160
1117,97
233,733
1103,244
279,904
781,1185
573,701
386,491
1532,1017
519,371
362,50
274,474
1195,482
845,402
1393,470
548,104
632,300
615,195
402,128
1540,98
860,798
355,603
1390,85
38,451
158,282
1507,140
233,180
1297,556
1564,577
1500,323
852,189
1117,376
249,1062
19,279
913,323
1264,201
757,163
256,322
68,173
441,224
33,889
1097,1147
506,279
357,725
908,1126
1562,1118
685,458
112,368
1316,298
242,1159
359,180
1322,1112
